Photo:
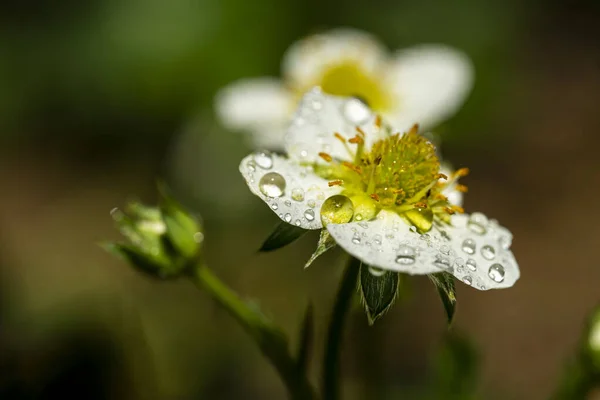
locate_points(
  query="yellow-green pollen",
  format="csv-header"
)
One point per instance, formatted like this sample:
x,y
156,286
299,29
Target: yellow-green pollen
x,y
400,173
349,79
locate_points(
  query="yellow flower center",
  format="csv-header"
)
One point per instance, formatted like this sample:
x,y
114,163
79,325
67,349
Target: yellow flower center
x,y
400,173
347,78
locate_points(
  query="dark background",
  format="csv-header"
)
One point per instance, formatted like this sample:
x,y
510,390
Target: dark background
x,y
98,98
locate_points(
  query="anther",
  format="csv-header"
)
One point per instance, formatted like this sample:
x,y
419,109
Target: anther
x,y
414,129
339,137
352,167
461,172
461,188
356,140
375,197
360,132
420,204
442,176
325,157
378,121
337,182
458,209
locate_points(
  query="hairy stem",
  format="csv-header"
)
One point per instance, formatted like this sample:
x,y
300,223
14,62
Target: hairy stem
x,y
271,339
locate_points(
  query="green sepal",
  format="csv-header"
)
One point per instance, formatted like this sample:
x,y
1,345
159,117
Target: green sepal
x,y
282,235
182,230
444,283
154,266
326,242
377,293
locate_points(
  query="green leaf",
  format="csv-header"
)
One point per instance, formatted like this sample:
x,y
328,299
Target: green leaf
x,y
326,242
444,282
306,339
182,229
378,289
283,235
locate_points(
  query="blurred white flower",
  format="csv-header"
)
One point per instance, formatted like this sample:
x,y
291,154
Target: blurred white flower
x,y
424,84
379,193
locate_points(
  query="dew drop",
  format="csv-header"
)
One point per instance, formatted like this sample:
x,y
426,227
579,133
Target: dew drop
x,y
251,165
316,105
377,239
274,206
445,249
311,203
477,223
496,273
459,262
358,217
263,159
505,242
469,246
468,280
356,238
272,184
356,112
442,262
298,194
287,217
287,203
471,264
309,215
375,271
406,255
337,209
298,222
488,252
413,229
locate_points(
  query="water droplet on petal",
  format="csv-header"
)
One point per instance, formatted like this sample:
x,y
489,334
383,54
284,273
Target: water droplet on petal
x,y
263,159
459,262
356,238
337,209
311,203
272,184
358,217
488,252
413,229
309,215
274,206
477,223
442,262
406,255
469,246
377,239
316,105
298,222
445,249
505,242
468,280
356,112
287,217
298,194
251,165
471,264
375,271
496,273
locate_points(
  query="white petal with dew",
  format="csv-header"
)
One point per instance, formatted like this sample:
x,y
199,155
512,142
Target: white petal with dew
x,y
319,117
256,105
473,249
480,252
387,242
430,83
454,196
293,192
307,59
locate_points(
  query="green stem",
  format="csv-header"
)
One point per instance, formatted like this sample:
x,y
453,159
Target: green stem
x,y
271,340
331,370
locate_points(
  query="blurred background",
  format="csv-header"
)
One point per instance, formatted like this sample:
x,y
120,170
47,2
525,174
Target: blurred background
x,y
99,98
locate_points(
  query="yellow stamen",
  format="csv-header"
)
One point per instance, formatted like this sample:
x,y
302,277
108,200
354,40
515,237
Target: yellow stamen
x,y
462,188
461,172
337,182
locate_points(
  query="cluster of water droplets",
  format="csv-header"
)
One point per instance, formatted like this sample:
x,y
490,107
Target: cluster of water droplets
x,y
283,197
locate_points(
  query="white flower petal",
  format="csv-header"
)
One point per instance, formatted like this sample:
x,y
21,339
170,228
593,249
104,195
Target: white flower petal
x,y
305,61
430,82
293,192
387,242
261,106
474,250
318,117
480,252
454,196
